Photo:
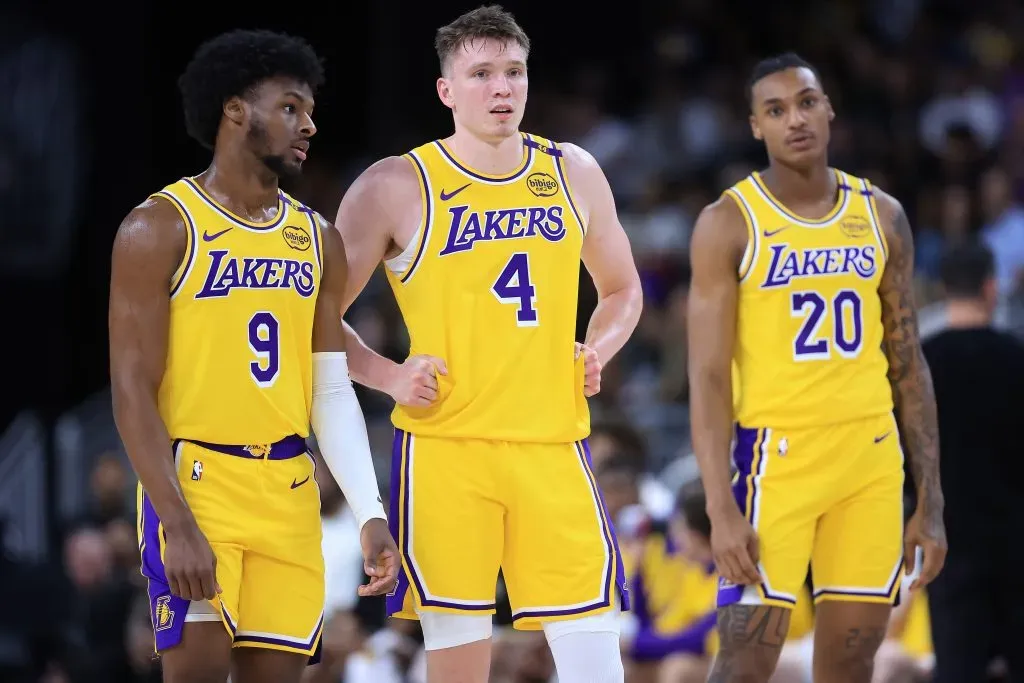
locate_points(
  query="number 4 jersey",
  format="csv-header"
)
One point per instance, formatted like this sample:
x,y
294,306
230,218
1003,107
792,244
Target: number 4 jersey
x,y
809,329
239,353
489,283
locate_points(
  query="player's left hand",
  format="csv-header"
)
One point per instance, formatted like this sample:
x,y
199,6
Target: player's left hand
x,y
927,531
380,558
591,369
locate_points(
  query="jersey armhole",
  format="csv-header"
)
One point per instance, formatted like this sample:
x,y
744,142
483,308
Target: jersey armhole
x,y
191,237
750,252
563,180
316,225
876,223
426,207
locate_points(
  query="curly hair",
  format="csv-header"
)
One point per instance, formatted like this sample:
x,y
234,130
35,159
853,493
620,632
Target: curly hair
x,y
233,64
490,21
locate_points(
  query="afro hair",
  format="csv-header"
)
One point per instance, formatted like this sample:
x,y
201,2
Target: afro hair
x,y
234,63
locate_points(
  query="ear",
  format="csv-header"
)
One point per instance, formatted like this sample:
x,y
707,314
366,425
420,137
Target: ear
x,y
444,91
755,130
831,111
235,109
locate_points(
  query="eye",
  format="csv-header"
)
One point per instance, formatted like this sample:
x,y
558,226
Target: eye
x,y
515,72
290,108
775,111
480,74
810,101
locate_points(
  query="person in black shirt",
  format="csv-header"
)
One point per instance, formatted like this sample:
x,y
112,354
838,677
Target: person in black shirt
x,y
977,602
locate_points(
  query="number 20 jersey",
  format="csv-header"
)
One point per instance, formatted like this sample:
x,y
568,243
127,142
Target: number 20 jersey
x,y
809,330
239,352
491,287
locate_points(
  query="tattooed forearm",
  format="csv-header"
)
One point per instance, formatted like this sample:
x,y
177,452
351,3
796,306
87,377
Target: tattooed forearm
x,y
751,638
911,381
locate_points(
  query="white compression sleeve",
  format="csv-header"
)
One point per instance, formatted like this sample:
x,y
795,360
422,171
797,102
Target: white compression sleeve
x,y
340,429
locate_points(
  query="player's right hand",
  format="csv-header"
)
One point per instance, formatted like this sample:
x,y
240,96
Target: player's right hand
x,y
735,547
414,382
189,563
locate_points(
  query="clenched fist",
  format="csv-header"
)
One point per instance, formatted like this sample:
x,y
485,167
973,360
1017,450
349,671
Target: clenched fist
x,y
414,382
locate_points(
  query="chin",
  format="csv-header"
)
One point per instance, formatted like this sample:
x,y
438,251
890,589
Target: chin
x,y
282,167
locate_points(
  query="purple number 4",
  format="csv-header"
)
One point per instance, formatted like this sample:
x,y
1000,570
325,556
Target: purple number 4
x,y
513,286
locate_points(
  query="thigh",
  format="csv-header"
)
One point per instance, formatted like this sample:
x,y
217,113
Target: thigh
x,y
561,558
251,665
858,548
202,655
846,637
777,487
446,516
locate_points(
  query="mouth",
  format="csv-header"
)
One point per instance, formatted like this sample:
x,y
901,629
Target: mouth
x,y
802,139
301,149
502,111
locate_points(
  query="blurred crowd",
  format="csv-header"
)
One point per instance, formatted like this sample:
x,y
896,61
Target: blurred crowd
x,y
930,106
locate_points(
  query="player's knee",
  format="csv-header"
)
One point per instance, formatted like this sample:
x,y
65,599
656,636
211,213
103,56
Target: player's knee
x,y
586,650
441,631
751,638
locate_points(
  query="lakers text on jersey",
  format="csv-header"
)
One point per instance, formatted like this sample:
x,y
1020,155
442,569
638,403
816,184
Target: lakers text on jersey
x,y
235,399
820,470
489,283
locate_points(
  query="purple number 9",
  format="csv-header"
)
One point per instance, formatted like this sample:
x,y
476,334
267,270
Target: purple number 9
x,y
264,342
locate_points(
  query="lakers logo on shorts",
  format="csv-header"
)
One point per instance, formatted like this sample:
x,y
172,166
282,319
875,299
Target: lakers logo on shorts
x,y
296,237
164,614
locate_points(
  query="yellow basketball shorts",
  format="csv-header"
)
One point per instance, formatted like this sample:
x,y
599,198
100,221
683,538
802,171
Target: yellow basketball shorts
x,y
259,507
463,508
829,497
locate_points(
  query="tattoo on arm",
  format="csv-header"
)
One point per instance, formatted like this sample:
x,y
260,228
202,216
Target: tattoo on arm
x,y
911,381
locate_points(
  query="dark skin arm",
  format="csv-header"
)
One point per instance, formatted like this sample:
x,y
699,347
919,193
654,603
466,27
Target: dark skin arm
x,y
719,239
149,245
380,554
913,394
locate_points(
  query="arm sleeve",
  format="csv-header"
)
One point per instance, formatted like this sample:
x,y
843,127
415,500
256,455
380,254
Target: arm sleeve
x,y
340,428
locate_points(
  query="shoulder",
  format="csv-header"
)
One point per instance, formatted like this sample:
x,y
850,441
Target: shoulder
x,y
579,163
156,221
385,190
890,213
722,219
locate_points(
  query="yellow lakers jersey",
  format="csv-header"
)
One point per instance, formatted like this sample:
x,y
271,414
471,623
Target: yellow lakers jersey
x,y
239,353
809,328
492,289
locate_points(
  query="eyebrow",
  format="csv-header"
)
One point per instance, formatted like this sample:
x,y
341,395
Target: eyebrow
x,y
776,100
513,64
297,95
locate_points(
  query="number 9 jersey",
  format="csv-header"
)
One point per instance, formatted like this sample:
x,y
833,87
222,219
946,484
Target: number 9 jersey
x,y
489,283
239,353
809,327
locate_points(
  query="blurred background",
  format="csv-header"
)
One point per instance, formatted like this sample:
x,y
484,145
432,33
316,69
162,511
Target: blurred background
x,y
929,97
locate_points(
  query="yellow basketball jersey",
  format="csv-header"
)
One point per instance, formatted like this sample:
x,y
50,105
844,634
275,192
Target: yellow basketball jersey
x,y
809,329
492,289
239,355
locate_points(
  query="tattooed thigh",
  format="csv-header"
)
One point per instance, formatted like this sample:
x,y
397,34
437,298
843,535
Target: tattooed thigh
x,y
846,637
751,638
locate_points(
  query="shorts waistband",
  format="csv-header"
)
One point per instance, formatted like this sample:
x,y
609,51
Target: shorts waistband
x,y
285,449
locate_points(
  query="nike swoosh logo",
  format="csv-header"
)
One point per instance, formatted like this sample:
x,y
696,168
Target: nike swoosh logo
x,y
445,196
879,439
769,233
296,484
207,237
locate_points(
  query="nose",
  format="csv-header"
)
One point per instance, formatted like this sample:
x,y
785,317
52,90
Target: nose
x,y
502,87
797,118
307,127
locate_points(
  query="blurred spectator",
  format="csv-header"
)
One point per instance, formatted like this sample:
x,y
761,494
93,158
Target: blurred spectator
x,y
1003,229
977,602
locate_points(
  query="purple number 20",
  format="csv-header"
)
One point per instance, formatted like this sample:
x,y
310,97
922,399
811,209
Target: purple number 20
x,y
811,343
264,341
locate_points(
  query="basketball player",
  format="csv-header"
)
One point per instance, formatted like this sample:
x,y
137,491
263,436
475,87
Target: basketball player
x,y
802,277
225,345
481,235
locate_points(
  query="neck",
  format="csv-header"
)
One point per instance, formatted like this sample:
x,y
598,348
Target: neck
x,y
967,313
496,157
800,185
241,182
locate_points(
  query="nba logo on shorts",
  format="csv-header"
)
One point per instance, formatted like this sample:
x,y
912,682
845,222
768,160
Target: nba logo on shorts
x,y
164,615
197,470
